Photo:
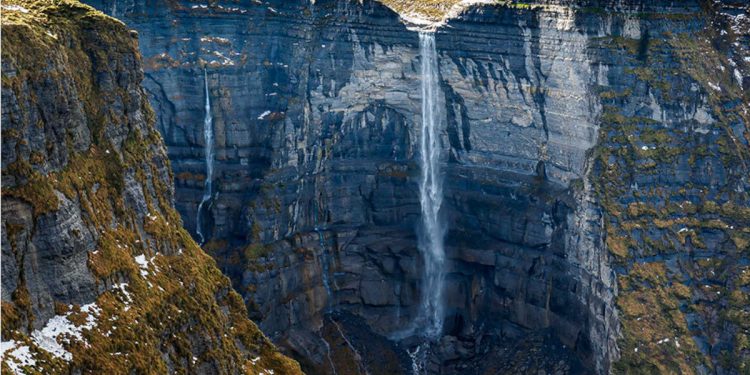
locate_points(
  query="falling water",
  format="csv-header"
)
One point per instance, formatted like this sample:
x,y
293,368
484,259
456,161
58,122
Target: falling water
x,y
324,265
208,134
325,259
431,193
418,357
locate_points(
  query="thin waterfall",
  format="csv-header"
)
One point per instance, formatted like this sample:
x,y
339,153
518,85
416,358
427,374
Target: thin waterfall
x,y
325,259
208,135
432,233
324,265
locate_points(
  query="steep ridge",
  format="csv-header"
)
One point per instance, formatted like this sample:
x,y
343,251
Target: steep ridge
x,y
97,274
548,107
671,174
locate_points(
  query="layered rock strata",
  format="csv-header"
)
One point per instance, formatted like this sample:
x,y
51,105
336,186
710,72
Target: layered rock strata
x,y
577,132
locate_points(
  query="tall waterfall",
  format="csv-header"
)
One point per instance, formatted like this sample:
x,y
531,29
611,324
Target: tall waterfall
x,y
208,135
432,233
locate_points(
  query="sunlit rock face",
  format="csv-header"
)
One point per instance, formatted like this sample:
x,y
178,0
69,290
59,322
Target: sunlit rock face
x,y
317,115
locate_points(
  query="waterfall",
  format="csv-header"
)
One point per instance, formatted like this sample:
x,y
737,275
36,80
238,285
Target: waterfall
x,y
432,233
208,135
325,266
325,257
418,357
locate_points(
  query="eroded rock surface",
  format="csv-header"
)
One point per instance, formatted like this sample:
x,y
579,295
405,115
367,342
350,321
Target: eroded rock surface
x,y
316,114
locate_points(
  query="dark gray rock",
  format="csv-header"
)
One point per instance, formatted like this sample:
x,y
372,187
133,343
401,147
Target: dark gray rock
x,y
316,107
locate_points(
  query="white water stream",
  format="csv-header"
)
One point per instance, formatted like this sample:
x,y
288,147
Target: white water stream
x,y
208,134
432,233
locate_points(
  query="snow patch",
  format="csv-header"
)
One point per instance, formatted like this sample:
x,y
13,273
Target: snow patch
x,y
214,39
738,77
15,8
7,345
225,60
60,330
264,115
57,331
144,264
127,298
19,358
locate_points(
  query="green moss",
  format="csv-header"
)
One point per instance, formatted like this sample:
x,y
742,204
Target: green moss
x,y
611,94
654,219
256,230
37,191
620,43
651,76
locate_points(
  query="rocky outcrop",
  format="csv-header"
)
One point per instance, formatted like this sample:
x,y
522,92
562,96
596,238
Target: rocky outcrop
x,y
98,275
316,107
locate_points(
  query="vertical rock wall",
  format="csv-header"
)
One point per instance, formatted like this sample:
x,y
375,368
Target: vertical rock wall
x,y
316,109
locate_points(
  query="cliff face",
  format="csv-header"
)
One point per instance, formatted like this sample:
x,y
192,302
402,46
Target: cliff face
x,y
97,274
596,192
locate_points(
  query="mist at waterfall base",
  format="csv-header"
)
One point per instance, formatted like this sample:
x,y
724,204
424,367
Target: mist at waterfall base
x,y
208,135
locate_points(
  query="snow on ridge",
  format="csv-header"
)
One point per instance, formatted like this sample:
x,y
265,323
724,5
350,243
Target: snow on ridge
x,y
17,359
61,329
57,331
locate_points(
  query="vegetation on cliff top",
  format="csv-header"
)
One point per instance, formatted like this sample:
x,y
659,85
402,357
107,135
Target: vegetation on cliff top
x,y
436,10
